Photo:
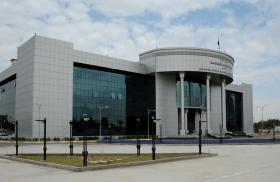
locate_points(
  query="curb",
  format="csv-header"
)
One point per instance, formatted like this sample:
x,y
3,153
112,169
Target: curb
x,y
41,163
110,166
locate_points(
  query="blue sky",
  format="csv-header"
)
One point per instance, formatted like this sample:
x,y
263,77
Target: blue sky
x,y
248,30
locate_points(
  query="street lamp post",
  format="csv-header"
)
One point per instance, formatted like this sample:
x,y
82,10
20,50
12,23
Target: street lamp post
x,y
85,152
138,144
16,135
262,108
100,110
160,130
153,140
273,133
16,125
221,132
200,133
39,110
71,146
44,121
153,147
149,110
110,130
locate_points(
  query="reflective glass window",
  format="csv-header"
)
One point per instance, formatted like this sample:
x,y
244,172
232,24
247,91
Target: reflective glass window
x,y
7,104
122,93
194,94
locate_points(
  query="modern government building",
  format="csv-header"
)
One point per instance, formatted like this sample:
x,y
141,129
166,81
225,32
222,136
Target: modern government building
x,y
177,86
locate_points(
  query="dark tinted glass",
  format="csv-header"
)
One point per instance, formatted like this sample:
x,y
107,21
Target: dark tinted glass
x,y
7,104
123,96
234,111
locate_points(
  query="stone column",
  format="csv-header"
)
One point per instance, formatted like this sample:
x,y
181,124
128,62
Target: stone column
x,y
208,104
182,131
203,124
196,120
186,121
223,94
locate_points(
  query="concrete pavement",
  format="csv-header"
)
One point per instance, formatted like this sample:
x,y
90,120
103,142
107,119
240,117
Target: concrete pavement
x,y
234,163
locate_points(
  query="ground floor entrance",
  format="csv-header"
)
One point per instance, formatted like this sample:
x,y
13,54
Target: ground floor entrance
x,y
192,117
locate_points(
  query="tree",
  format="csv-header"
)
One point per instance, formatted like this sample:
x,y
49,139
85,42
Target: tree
x,y
268,124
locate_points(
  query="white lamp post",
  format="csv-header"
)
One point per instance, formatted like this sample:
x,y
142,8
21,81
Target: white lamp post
x,y
262,108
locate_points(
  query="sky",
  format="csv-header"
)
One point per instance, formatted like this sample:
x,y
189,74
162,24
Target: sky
x,y
248,30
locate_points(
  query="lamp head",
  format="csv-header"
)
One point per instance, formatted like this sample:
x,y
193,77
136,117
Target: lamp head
x,y
156,120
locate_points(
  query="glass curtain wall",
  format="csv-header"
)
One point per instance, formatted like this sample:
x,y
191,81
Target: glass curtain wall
x,y
234,111
195,94
94,88
140,96
127,96
7,104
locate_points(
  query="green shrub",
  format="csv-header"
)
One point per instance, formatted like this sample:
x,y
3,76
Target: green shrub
x,y
66,138
22,139
56,139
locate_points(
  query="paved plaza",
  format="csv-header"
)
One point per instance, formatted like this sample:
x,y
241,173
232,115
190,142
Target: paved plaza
x,y
233,163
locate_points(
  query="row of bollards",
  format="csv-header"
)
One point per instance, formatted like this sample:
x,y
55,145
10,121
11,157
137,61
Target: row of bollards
x,y
85,152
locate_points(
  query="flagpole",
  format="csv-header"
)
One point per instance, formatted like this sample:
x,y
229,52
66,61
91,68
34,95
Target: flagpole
x,y
219,43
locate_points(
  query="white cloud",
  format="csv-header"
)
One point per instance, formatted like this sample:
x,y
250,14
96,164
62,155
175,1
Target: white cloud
x,y
165,8
252,40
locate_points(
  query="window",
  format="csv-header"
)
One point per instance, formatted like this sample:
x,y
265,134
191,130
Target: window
x,y
118,91
7,100
194,95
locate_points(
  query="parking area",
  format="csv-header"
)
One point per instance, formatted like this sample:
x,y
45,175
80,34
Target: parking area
x,y
234,163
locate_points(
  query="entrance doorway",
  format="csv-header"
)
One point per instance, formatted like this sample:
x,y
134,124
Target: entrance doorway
x,y
191,120
190,117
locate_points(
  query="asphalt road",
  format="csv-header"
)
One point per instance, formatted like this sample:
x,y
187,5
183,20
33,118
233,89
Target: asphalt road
x,y
262,140
234,163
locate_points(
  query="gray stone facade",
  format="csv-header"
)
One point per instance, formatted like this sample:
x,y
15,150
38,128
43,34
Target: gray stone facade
x,y
44,77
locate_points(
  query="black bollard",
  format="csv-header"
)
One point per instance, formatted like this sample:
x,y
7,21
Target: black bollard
x,y
153,148
199,138
45,139
85,152
138,143
16,126
71,146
